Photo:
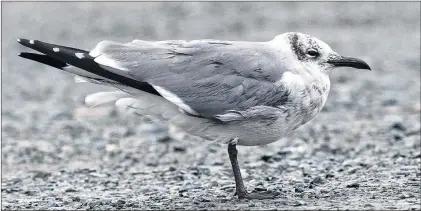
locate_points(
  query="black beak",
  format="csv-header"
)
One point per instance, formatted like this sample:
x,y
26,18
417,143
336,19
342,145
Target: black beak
x,y
349,62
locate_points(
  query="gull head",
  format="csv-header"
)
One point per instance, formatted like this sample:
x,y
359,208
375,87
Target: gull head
x,y
307,53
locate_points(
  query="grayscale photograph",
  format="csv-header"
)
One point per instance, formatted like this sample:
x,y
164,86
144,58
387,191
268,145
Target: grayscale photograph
x,y
210,106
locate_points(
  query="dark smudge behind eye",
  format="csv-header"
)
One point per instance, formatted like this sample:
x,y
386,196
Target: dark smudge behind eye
x,y
296,47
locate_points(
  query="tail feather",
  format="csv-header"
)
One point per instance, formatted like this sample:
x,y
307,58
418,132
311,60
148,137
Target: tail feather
x,y
160,110
146,104
101,98
80,79
59,56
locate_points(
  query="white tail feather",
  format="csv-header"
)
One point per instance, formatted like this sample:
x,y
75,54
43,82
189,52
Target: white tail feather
x,y
148,104
161,110
126,104
100,98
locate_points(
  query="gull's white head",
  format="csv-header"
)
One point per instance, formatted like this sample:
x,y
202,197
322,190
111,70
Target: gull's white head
x,y
307,53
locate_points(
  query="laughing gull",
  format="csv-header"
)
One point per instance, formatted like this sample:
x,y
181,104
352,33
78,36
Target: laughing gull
x,y
232,92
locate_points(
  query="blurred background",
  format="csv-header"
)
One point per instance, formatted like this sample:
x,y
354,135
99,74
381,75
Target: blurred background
x,y
361,152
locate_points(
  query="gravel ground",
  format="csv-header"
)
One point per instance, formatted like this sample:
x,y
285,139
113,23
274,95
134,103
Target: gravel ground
x,y
361,152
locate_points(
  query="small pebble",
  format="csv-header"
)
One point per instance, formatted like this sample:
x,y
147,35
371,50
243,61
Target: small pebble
x,y
329,175
317,180
299,189
368,205
398,126
69,190
353,185
300,203
353,170
266,158
179,149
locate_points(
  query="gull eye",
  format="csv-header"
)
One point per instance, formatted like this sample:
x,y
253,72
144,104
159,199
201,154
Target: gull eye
x,y
312,53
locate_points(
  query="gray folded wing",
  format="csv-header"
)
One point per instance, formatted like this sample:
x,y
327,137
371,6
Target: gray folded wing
x,y
204,77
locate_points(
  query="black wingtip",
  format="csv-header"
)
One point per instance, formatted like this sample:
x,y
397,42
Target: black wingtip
x,y
22,40
25,42
44,59
24,54
62,56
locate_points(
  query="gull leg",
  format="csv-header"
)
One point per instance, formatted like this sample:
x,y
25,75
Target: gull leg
x,y
240,189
